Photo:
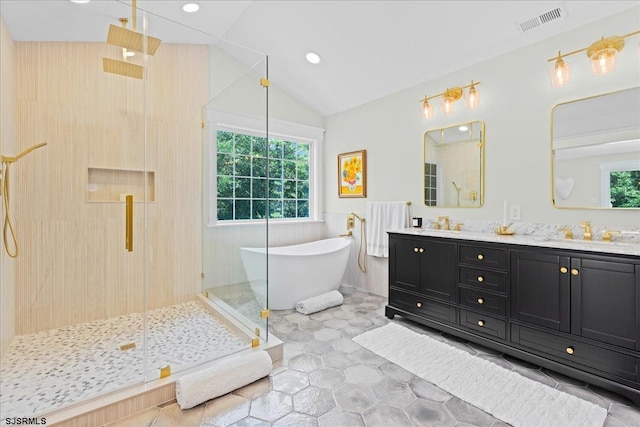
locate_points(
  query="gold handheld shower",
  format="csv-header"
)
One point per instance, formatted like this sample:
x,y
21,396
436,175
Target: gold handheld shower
x,y
8,226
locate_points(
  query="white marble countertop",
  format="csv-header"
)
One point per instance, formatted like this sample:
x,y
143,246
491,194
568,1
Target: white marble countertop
x,y
599,246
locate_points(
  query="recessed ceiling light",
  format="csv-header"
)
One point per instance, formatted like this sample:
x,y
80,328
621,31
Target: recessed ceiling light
x,y
80,1
313,57
191,7
463,128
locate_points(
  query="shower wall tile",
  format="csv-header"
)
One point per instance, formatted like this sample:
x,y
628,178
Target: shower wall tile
x,y
72,265
7,147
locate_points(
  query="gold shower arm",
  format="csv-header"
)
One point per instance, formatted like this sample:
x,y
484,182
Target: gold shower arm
x,y
9,159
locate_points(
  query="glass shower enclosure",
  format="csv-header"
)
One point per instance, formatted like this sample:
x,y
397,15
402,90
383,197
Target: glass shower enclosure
x,y
118,271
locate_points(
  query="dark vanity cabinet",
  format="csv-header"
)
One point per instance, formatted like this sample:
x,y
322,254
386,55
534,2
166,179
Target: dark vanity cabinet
x,y
423,274
595,297
571,311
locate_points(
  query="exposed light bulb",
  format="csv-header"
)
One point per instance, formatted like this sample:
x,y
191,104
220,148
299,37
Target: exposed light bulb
x,y
472,98
560,72
80,1
448,105
427,111
604,61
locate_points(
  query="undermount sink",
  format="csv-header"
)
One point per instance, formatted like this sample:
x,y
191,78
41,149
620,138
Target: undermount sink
x,y
582,242
440,230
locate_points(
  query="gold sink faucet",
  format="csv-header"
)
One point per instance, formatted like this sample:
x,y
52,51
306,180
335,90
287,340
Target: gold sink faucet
x,y
607,235
458,227
568,233
587,230
446,222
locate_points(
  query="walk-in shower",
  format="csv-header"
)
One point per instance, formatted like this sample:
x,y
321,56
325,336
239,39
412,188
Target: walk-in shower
x,y
83,318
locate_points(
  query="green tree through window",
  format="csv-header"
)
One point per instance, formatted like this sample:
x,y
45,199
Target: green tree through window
x,y
625,189
246,186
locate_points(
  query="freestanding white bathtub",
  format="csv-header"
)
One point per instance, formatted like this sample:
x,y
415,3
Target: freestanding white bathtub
x,y
296,272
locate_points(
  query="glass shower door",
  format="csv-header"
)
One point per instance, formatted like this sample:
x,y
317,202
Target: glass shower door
x,y
236,190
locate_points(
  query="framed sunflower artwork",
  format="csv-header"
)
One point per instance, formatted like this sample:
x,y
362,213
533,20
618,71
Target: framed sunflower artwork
x,y
352,174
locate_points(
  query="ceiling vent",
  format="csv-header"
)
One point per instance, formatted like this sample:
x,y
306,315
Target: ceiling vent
x,y
546,17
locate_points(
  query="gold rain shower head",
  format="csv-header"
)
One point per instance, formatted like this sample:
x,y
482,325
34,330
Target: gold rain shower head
x,y
128,40
131,40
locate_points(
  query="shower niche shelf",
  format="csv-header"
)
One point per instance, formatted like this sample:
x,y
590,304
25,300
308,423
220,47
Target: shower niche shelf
x,y
112,185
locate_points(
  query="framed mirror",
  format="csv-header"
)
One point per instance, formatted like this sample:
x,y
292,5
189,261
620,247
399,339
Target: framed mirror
x,y
454,166
595,152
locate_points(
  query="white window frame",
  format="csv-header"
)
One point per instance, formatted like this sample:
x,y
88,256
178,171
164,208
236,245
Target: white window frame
x,y
278,129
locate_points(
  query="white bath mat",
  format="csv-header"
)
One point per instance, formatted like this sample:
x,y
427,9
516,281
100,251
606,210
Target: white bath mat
x,y
505,394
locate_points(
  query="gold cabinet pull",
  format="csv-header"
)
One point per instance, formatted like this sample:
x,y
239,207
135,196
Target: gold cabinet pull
x,y
563,270
569,350
415,250
480,301
481,323
421,250
480,279
574,271
128,231
418,304
480,256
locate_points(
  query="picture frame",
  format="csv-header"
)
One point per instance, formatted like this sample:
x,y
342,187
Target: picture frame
x,y
352,174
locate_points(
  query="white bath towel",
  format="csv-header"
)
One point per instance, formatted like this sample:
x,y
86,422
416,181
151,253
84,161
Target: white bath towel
x,y
222,378
320,302
381,217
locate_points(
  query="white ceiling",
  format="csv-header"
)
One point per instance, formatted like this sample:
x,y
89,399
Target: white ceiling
x,y
369,49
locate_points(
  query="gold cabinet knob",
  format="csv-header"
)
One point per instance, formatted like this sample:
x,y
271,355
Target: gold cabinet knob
x,y
480,256
418,304
480,301
421,250
480,279
563,270
415,250
574,271
481,323
569,350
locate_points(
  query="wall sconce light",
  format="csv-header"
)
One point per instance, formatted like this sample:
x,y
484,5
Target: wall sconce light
x,y
449,98
602,53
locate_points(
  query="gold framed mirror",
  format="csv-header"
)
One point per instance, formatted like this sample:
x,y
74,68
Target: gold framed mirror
x,y
595,152
454,166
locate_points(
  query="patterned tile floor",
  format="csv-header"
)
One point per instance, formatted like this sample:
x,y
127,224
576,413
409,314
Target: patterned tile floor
x,y
326,379
52,369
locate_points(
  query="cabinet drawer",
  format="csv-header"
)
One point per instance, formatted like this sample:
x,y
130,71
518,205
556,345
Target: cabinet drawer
x,y
566,348
422,306
483,301
486,325
482,256
484,279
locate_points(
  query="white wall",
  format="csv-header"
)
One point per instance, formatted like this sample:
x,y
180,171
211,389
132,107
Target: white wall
x,y
516,103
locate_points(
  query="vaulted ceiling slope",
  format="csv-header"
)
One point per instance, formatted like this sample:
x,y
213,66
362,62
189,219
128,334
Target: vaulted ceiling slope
x,y
369,49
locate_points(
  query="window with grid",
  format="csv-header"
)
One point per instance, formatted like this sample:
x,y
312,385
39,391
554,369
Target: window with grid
x,y
256,179
430,184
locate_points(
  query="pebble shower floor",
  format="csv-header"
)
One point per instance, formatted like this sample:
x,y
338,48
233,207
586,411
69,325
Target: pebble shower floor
x,y
52,369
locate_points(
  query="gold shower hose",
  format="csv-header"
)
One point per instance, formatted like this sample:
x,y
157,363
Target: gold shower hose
x,y
363,241
8,226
